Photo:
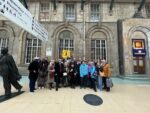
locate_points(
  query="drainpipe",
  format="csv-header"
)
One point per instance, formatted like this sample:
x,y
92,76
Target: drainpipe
x,y
138,14
84,33
24,3
141,5
54,4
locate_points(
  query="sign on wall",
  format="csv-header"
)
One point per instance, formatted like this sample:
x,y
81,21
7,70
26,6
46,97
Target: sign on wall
x,y
138,47
66,54
18,14
48,52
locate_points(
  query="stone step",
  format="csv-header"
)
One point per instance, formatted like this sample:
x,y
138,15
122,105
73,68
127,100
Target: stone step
x,y
135,77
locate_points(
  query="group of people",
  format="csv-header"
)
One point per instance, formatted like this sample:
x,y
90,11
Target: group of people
x,y
60,73
68,73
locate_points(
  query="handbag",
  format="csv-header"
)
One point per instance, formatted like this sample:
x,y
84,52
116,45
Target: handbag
x,y
64,74
109,82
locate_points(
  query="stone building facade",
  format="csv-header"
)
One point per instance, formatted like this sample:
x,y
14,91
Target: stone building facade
x,y
101,29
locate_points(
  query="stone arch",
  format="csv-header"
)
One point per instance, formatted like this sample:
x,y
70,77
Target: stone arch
x,y
60,29
105,31
63,27
145,30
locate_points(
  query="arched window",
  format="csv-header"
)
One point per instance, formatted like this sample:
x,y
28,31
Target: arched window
x,y
4,39
32,48
98,46
66,42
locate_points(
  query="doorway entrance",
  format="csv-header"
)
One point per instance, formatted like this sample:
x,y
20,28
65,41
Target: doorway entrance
x,y
139,65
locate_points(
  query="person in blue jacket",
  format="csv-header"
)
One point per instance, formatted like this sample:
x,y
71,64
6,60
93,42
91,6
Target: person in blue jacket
x,y
93,74
83,74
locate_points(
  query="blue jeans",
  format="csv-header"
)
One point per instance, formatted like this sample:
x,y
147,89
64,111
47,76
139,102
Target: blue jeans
x,y
99,83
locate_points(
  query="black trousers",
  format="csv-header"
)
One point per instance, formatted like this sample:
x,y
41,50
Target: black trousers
x,y
72,81
57,80
93,84
104,83
84,81
32,84
7,84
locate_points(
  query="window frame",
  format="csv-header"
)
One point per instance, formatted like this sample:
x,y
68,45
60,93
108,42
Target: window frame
x,y
75,16
147,9
91,12
66,42
37,48
4,41
102,54
44,13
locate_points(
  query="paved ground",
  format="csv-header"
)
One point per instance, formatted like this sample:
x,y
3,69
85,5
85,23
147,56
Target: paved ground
x,y
125,97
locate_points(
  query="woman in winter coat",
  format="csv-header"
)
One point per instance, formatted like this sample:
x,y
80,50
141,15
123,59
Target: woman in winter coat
x,y
51,73
106,74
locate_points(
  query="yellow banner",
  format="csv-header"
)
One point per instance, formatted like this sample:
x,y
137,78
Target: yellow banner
x,y
66,53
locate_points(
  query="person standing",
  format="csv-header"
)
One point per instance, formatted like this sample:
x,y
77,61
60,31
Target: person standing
x,y
33,73
93,75
9,72
57,74
43,72
51,72
83,74
106,74
72,75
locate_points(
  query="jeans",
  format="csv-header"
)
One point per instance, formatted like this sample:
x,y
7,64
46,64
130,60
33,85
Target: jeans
x,y
99,83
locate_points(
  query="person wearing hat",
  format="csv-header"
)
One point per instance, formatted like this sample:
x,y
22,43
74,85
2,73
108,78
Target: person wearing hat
x,y
33,73
9,72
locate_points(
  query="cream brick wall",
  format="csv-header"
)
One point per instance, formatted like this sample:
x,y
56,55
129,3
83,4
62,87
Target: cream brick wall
x,y
58,15
120,11
34,9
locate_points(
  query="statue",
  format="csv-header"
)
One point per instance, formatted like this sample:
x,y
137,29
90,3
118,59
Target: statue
x,y
9,72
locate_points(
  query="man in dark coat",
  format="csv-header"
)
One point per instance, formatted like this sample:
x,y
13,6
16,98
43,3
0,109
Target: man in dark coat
x,y
9,72
57,74
33,73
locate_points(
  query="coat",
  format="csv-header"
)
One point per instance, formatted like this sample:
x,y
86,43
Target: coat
x,y
106,70
33,69
8,67
83,70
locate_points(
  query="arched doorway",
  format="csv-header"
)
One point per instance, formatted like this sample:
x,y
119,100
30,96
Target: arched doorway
x,y
139,52
66,42
140,49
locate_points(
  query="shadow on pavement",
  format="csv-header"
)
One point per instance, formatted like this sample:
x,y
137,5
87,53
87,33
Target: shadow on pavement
x,y
5,98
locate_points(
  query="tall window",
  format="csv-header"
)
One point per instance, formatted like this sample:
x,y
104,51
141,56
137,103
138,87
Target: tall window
x,y
66,42
3,39
147,7
70,12
95,12
98,49
33,49
44,12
